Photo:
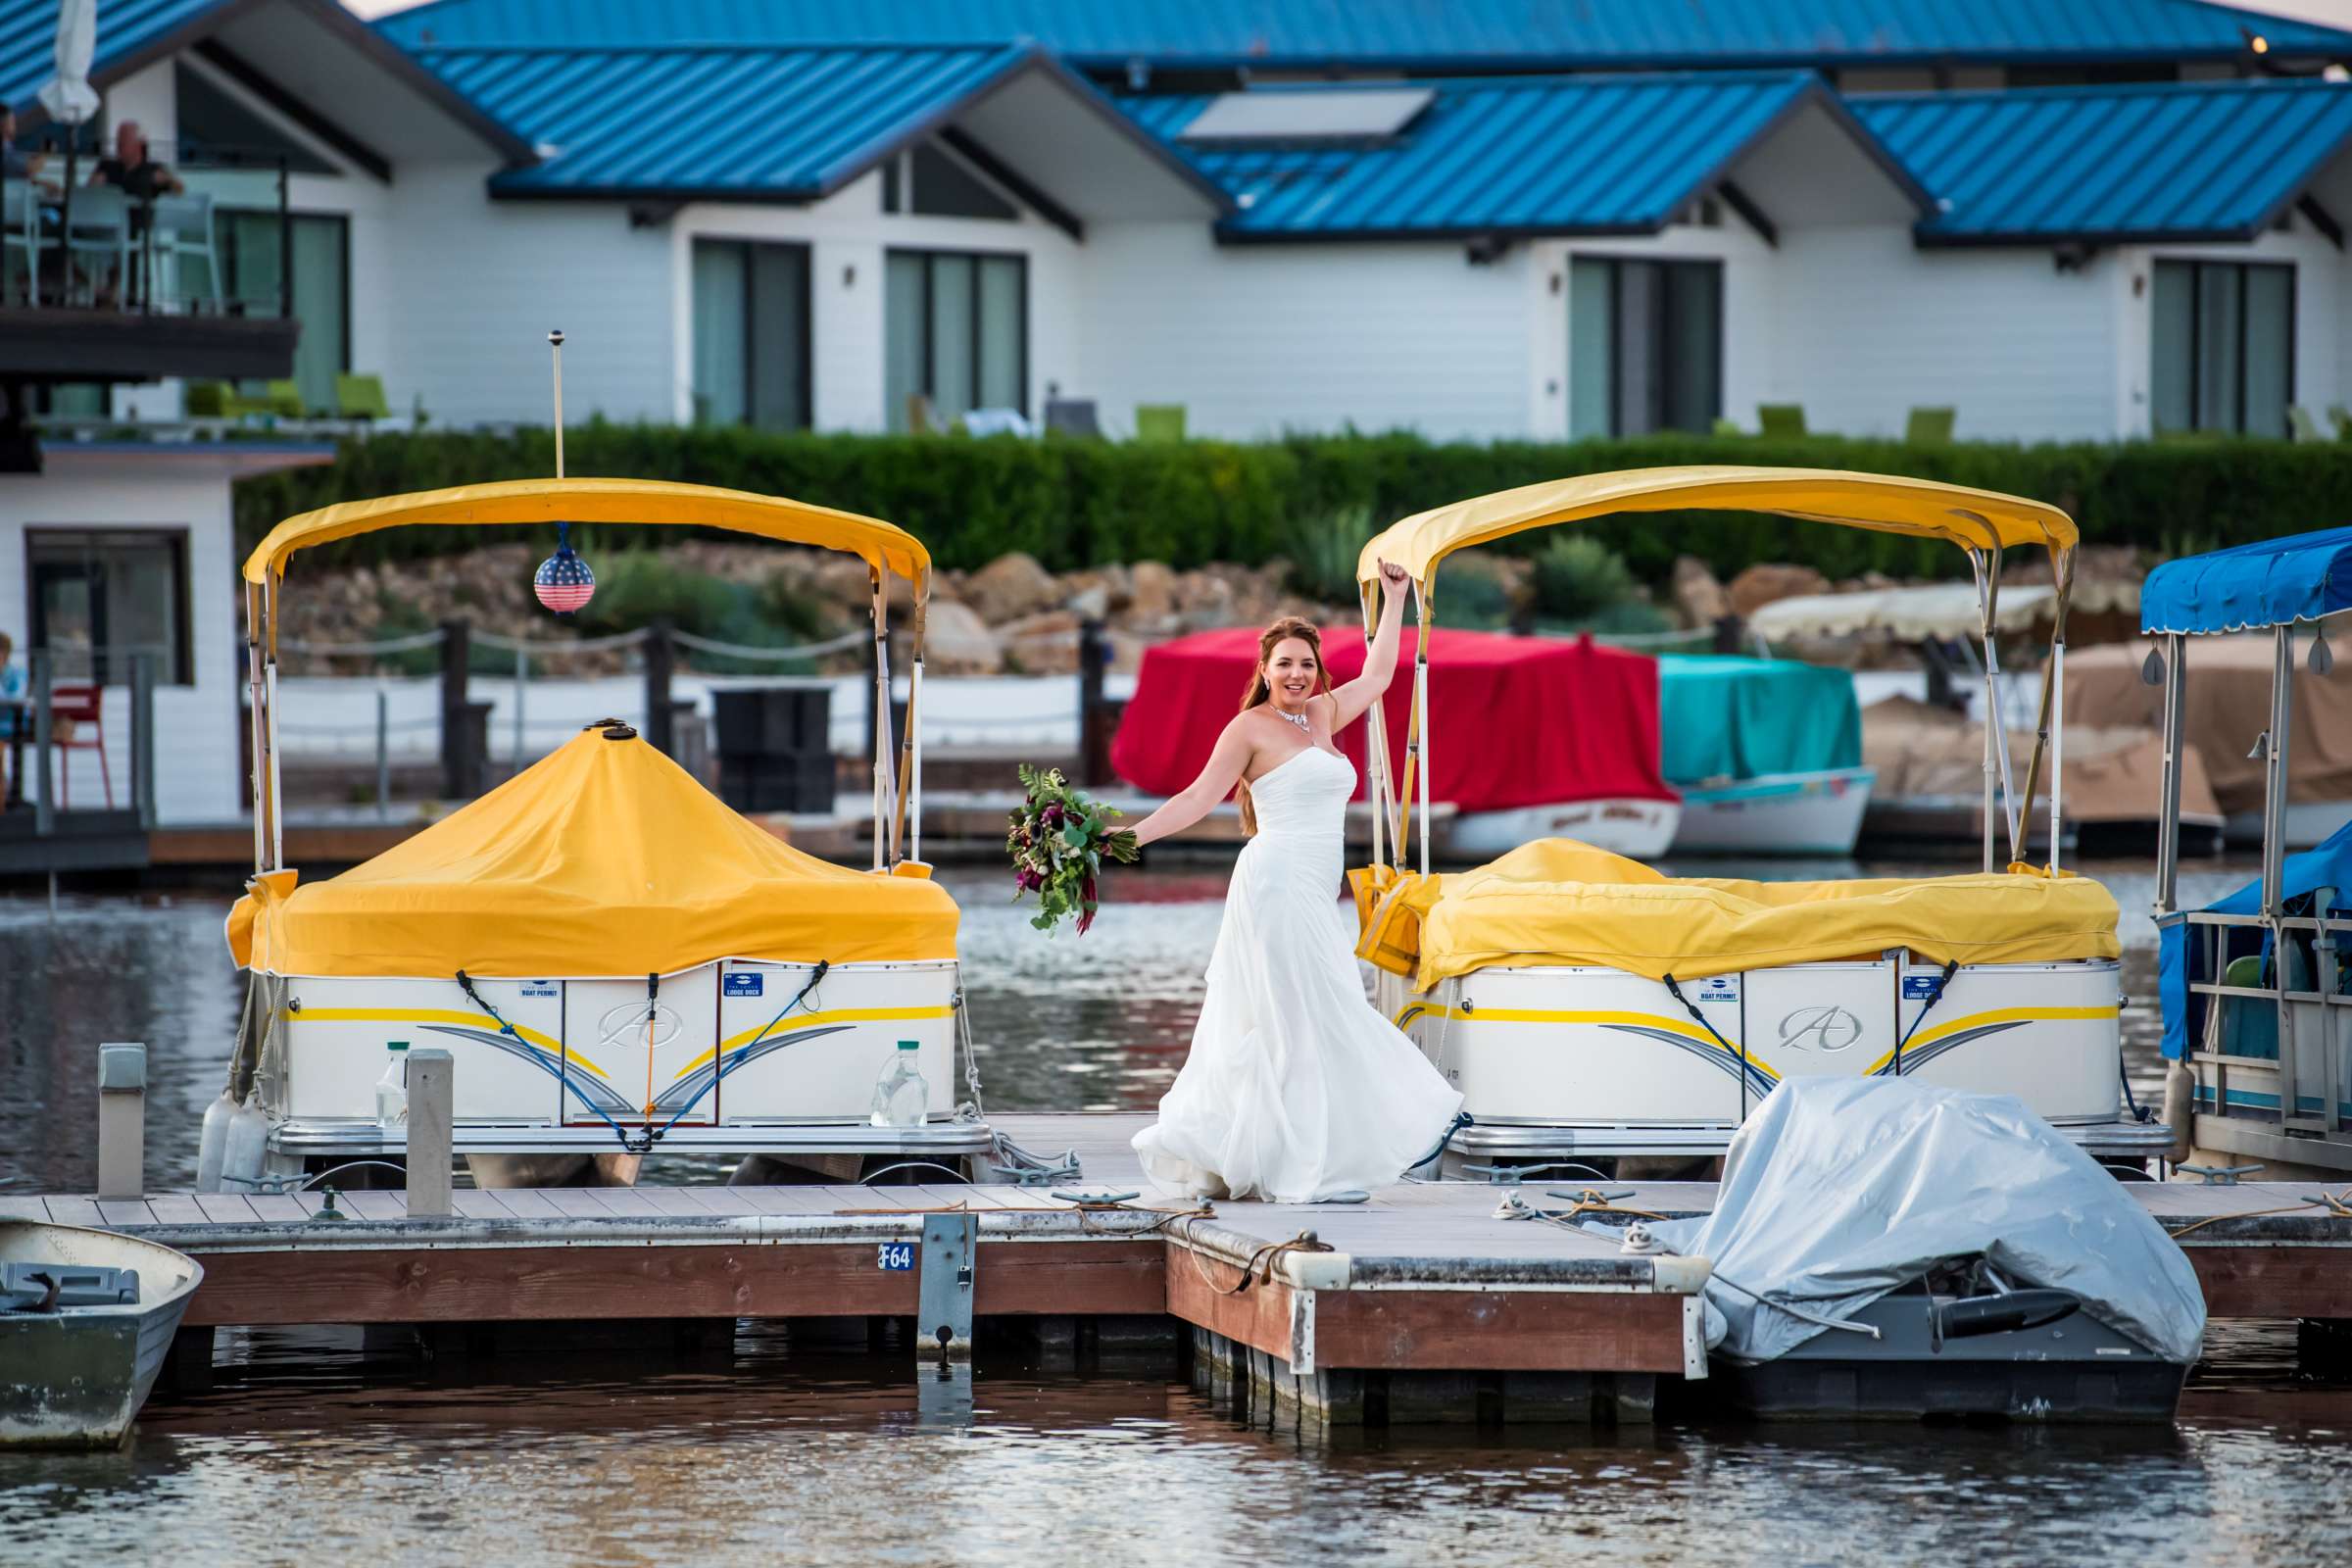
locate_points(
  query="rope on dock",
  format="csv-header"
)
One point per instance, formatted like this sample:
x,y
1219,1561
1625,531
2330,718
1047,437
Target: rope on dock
x,y
1260,1267
2337,1208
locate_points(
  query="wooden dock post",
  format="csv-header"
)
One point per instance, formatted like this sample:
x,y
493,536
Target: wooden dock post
x,y
432,1094
121,1120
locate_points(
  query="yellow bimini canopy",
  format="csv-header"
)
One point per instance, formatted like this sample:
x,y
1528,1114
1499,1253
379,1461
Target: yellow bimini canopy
x,y
883,546
1977,519
602,859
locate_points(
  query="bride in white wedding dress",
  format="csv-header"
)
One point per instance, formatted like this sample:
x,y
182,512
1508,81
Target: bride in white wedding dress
x,y
1297,1089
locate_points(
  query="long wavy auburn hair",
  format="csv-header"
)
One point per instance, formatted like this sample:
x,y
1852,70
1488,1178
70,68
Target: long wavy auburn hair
x,y
1271,638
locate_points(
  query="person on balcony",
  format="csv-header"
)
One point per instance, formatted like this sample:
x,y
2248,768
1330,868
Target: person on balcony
x,y
131,170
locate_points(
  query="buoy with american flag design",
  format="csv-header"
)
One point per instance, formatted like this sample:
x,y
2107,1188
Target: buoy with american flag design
x,y
564,583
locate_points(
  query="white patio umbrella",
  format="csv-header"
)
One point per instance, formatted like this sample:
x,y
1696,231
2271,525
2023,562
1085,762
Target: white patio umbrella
x,y
71,101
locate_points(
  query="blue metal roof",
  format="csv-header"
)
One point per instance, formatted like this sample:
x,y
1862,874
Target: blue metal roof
x,y
1423,34
2174,161
782,123
2268,583
1501,156
126,30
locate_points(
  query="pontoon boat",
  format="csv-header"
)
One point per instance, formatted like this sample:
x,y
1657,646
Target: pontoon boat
x,y
616,961
1591,1009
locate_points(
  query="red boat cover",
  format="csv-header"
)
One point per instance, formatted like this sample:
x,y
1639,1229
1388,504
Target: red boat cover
x,y
1518,720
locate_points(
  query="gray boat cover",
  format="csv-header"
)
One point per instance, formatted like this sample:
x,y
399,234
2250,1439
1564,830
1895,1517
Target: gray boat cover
x,y
1840,1190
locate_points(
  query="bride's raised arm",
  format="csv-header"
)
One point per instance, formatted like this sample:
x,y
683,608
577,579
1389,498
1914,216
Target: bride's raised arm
x,y
1201,797
1348,702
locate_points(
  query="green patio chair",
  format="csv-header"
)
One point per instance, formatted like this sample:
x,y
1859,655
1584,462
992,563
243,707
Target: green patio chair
x,y
1160,421
2300,425
1727,428
2341,419
208,400
281,398
1781,421
360,396
1930,427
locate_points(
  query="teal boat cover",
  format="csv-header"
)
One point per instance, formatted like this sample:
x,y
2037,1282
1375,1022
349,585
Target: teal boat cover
x,y
1725,717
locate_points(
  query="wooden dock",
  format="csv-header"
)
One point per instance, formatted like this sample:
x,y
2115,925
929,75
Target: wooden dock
x,y
1351,1312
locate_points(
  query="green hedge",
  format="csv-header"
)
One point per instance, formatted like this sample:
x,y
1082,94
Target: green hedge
x,y
1079,503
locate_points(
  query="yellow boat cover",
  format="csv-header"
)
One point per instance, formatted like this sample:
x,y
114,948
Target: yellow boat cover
x,y
604,858
1560,902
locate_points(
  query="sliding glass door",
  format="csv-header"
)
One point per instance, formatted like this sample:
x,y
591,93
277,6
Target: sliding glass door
x,y
751,334
1646,346
956,333
2224,336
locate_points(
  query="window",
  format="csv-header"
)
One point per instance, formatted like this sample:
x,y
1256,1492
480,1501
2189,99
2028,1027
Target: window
x,y
955,331
751,334
217,131
253,253
1646,346
2223,334
940,186
99,596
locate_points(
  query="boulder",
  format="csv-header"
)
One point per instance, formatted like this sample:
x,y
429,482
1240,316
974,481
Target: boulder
x,y
1699,595
1151,592
957,642
1042,645
1010,587
1769,582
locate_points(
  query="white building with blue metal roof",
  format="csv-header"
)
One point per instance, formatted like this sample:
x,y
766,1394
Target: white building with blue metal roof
x,y
792,215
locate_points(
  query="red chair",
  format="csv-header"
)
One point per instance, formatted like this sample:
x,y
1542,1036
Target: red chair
x,y
77,723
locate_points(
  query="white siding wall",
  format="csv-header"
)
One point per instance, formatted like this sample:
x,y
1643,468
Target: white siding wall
x,y
847,234
1869,324
197,778
1259,340
472,286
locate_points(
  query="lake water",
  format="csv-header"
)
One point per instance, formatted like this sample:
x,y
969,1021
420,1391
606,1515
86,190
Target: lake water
x,y
314,1446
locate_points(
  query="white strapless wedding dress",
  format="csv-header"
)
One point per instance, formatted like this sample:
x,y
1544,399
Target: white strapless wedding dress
x,y
1296,1089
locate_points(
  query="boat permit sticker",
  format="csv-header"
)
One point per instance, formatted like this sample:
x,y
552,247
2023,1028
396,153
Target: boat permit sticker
x,y
1718,988
540,988
742,985
1920,987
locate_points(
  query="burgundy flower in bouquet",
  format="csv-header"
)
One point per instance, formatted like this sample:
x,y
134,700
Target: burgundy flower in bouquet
x,y
1059,842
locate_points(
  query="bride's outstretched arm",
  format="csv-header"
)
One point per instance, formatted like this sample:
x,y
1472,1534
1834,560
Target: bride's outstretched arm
x,y
1201,797
1380,661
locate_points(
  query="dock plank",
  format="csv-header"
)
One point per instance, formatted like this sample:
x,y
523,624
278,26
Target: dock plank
x,y
525,1203
789,1200
725,1201
175,1208
64,1210
32,1208
278,1208
226,1208
576,1202
369,1204
627,1202
672,1200
473,1203
121,1211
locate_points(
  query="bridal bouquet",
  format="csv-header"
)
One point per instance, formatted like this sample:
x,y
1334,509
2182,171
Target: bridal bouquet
x,y
1058,842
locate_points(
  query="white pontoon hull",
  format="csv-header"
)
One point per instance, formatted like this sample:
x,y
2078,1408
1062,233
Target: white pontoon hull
x,y
1560,1061
736,1056
1639,830
1777,814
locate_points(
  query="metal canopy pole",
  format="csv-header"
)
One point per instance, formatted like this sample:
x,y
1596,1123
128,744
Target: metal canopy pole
x,y
881,738
913,787
1376,751
2273,772
1992,716
2057,743
277,794
253,717
1421,702
2168,823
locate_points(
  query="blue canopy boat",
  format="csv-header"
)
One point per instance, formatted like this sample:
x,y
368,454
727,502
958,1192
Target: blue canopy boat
x,y
1767,753
2257,1000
